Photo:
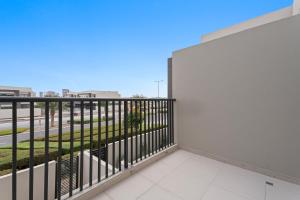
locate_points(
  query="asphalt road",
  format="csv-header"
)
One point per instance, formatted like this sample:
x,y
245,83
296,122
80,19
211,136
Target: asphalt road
x,y
7,139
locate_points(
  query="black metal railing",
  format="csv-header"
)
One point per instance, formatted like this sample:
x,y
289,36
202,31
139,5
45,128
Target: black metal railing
x,y
123,131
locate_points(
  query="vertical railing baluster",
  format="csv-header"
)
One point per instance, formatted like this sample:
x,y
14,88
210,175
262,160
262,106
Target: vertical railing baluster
x,y
125,134
136,129
152,125
156,122
14,150
55,180
169,121
164,125
120,132
77,172
81,143
149,131
71,148
145,129
172,121
106,137
59,150
91,143
113,137
46,174
99,140
141,138
131,131
31,151
159,124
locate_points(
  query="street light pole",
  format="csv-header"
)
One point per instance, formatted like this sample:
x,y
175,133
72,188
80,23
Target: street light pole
x,y
158,81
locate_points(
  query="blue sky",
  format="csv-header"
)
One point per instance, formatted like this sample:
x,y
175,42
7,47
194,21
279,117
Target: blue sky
x,y
107,44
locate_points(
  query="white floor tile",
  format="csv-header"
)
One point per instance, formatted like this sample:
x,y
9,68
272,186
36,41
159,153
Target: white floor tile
x,y
215,193
158,193
130,188
282,191
176,158
242,182
191,179
156,171
102,196
186,176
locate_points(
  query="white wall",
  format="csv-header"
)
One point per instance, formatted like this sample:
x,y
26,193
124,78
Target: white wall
x,y
86,158
86,164
258,21
23,184
296,7
237,98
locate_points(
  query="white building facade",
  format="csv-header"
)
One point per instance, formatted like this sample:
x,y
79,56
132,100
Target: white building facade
x,y
91,94
10,91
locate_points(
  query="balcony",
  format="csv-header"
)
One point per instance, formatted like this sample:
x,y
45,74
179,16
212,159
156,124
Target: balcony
x,y
130,153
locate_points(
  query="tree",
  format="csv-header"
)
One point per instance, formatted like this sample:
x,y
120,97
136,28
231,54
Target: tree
x,y
53,106
135,119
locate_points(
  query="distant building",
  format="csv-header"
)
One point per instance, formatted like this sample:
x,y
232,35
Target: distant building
x,y
10,91
51,94
91,94
41,94
65,92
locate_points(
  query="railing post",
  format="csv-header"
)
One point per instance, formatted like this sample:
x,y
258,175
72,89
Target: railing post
x,y
120,132
46,174
169,122
91,143
141,123
59,149
131,131
126,134
14,150
81,143
113,137
145,129
149,130
71,148
99,140
31,151
106,138
172,121
136,128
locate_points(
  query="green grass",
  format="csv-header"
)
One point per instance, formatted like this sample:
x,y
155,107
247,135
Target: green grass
x,y
9,131
39,146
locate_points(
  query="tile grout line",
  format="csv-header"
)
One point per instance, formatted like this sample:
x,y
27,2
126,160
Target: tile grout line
x,y
156,184
211,183
244,195
234,192
108,195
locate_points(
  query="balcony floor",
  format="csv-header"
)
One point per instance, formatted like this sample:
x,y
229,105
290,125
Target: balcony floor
x,y
183,175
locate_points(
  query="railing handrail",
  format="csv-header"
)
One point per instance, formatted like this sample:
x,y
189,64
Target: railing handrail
x,y
41,99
